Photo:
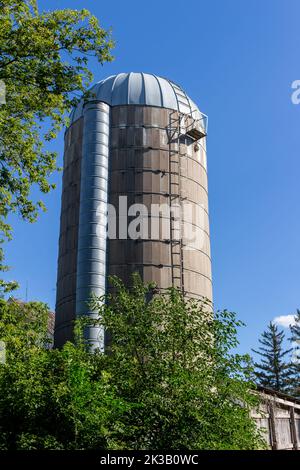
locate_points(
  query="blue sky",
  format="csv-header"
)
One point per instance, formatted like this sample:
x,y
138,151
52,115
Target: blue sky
x,y
236,59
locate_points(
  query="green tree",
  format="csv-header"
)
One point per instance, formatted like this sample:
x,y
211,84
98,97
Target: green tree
x,y
295,339
273,371
51,399
43,64
172,362
168,380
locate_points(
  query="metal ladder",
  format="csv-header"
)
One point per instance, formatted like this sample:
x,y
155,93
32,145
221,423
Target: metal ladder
x,y
195,128
175,198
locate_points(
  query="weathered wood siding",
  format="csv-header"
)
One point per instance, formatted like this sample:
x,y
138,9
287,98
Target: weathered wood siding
x,y
279,418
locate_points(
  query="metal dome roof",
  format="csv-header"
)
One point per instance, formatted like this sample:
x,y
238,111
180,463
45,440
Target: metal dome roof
x,y
141,89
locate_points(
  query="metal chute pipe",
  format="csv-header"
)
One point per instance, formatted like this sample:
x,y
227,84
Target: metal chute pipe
x,y
92,237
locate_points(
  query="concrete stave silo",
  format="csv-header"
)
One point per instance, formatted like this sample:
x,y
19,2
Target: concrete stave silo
x,y
138,139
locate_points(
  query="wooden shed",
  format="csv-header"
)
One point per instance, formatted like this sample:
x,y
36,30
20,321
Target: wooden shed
x,y
279,418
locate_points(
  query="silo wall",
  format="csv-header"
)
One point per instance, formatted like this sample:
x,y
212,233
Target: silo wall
x,y
68,237
149,169
139,154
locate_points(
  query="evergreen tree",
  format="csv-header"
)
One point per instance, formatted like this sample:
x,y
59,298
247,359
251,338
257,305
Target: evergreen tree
x,y
295,339
273,371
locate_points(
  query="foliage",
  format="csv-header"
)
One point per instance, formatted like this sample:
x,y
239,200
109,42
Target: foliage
x,y
273,371
51,399
168,380
43,64
172,362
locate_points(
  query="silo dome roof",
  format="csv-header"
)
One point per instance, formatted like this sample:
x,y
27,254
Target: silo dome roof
x,y
140,89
